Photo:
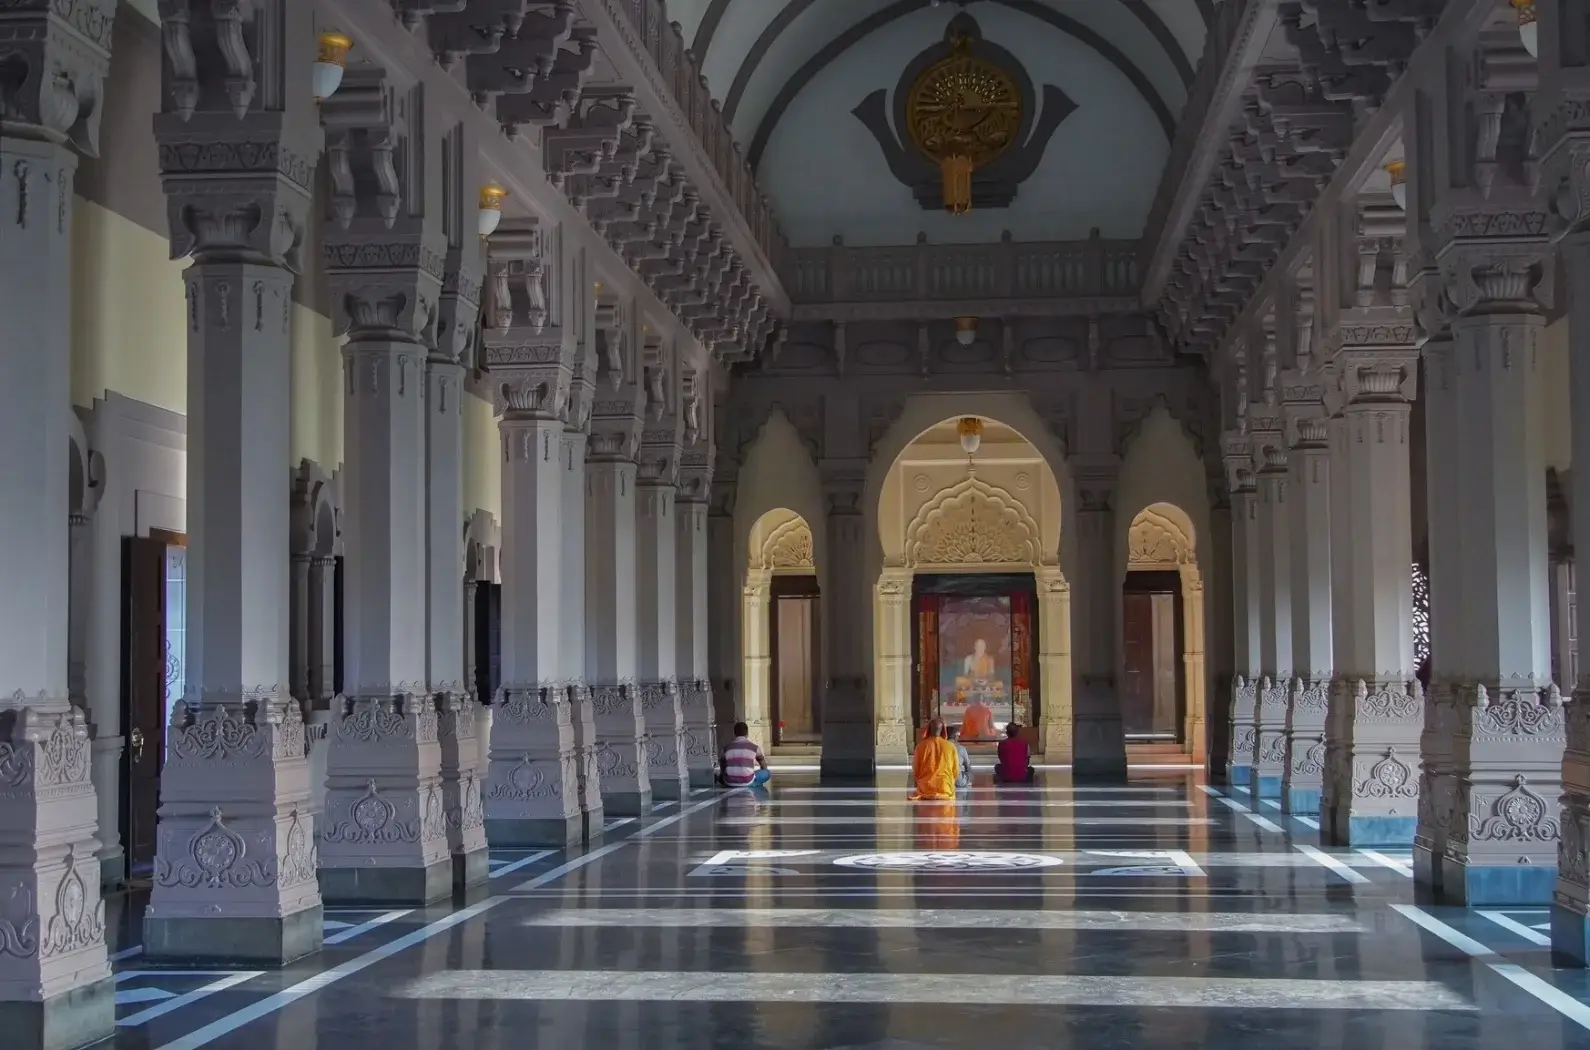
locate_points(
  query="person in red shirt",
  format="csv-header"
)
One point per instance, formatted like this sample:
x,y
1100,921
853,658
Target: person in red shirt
x,y
1015,761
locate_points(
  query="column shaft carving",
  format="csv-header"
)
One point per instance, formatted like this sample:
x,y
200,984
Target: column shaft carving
x,y
656,568
1274,691
692,612
1245,610
235,870
581,388
1308,525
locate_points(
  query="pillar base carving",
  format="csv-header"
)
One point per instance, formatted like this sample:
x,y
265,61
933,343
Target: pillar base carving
x,y
1437,787
592,813
621,757
383,837
1371,789
665,739
532,785
458,733
1503,834
1304,776
1273,697
1570,905
236,852
892,738
1244,730
54,978
701,732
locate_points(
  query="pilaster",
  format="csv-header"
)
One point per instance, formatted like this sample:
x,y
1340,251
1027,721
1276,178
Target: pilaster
x,y
1246,611
610,571
1376,706
691,619
532,795
55,985
581,390
1308,523
656,598
235,874
849,743
1098,743
1275,603
892,729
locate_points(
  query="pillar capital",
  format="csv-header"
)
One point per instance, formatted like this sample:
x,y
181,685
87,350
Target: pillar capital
x,y
844,483
65,52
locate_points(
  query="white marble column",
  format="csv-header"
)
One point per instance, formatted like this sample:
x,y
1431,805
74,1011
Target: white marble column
x,y
656,603
532,794
593,814
848,743
447,615
55,986
610,613
691,614
1275,617
1245,610
1376,707
235,871
1308,522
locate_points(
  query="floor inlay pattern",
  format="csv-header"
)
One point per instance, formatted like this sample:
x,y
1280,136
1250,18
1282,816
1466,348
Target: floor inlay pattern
x,y
816,917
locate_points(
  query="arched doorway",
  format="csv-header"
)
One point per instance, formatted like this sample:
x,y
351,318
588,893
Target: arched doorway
x,y
1162,688
782,631
972,612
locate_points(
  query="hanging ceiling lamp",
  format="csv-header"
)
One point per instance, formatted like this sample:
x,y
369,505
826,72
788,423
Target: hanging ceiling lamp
x,y
1398,170
963,112
970,429
966,330
1528,27
331,58
490,214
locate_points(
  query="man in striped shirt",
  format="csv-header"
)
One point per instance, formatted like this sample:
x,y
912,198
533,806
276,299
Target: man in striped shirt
x,y
743,763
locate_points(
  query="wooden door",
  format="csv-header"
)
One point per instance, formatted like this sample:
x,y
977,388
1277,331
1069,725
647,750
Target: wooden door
x,y
1137,685
143,695
794,650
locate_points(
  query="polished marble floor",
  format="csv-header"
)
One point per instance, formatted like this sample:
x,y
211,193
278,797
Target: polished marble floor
x,y
1159,913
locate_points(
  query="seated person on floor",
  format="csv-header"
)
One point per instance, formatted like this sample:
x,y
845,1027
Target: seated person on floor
x,y
743,762
1015,761
963,778
978,722
935,765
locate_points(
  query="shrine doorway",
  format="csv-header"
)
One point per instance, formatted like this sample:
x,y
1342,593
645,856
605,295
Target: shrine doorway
x,y
972,613
1162,640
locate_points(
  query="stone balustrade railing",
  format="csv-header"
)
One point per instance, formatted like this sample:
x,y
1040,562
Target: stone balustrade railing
x,y
942,273
665,43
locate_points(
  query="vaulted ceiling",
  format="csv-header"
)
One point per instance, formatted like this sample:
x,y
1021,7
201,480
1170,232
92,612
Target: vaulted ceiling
x,y
1125,64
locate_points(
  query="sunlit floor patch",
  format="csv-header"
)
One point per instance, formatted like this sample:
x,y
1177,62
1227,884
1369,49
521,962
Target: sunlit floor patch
x,y
944,989
928,919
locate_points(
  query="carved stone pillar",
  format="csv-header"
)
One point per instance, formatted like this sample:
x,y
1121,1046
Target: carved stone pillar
x,y
610,614
235,859
593,814
1376,707
1308,525
1098,746
892,731
1275,614
848,740
384,833
448,606
55,987
691,619
656,603
532,795
1245,610
725,581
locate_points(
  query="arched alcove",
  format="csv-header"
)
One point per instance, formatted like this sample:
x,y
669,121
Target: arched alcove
x,y
1162,683
970,552
781,629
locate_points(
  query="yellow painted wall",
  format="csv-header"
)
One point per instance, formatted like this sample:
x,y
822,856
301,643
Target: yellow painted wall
x,y
317,391
1554,377
482,463
128,331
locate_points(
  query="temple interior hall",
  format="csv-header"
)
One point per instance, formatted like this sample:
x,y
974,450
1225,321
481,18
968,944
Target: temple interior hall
x,y
794,524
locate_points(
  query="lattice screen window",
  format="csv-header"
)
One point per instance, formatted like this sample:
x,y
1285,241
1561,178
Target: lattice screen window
x,y
1421,615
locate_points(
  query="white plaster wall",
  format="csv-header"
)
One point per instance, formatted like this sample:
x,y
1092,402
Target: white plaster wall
x,y
778,472
144,448
826,175
482,469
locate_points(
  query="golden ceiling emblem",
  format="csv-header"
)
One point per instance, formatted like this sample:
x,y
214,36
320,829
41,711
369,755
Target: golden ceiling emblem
x,y
963,112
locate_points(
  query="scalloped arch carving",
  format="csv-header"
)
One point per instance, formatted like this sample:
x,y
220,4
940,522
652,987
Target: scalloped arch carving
x,y
973,523
1158,541
789,546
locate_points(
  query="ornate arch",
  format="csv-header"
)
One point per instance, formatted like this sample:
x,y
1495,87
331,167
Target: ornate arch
x,y
973,523
317,511
1156,541
788,547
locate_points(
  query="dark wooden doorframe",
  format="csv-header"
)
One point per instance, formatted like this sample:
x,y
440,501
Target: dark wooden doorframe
x,y
803,586
143,692
975,585
1153,581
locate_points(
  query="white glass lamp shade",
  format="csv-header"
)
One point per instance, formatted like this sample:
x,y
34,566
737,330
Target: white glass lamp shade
x,y
1528,27
330,60
965,330
1399,182
490,214
970,430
